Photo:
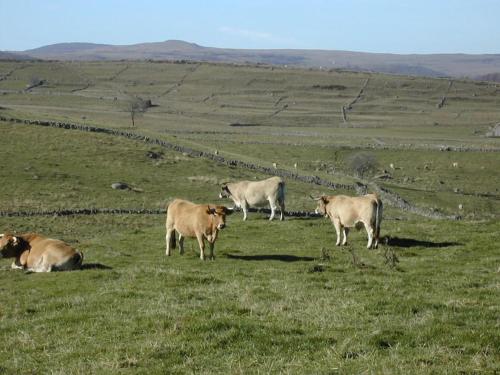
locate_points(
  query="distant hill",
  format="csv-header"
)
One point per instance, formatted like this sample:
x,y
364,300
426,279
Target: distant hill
x,y
14,56
494,77
432,65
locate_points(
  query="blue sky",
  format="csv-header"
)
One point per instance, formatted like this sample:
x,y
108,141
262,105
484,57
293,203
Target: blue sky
x,y
419,26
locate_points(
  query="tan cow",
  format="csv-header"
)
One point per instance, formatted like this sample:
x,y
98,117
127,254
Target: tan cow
x,y
247,194
202,221
347,212
36,253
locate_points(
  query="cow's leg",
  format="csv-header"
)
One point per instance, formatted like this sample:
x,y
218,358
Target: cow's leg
x,y
167,239
244,207
282,210
15,266
345,232
376,237
272,204
369,230
42,265
201,242
336,224
181,244
212,257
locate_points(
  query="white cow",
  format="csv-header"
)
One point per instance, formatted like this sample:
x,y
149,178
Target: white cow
x,y
247,194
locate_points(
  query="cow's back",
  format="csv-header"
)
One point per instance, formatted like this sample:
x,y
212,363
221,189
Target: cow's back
x,y
186,217
58,251
258,192
351,210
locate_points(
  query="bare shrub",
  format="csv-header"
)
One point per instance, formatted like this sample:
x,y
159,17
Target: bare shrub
x,y
391,259
325,255
362,164
35,81
136,106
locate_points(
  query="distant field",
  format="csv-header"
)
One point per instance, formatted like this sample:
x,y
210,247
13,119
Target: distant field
x,y
280,297
288,116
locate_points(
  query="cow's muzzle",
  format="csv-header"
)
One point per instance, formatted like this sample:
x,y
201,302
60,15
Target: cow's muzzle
x,y
221,226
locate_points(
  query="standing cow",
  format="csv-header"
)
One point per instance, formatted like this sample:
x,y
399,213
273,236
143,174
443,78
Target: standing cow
x,y
39,254
247,194
202,221
346,212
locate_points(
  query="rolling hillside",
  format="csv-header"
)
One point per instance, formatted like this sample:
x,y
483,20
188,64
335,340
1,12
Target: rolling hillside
x,y
314,118
434,65
280,296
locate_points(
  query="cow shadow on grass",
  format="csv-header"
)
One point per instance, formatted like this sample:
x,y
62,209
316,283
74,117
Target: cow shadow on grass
x,y
94,266
411,242
279,257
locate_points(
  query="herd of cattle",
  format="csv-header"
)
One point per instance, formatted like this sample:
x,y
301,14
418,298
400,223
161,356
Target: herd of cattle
x,y
36,253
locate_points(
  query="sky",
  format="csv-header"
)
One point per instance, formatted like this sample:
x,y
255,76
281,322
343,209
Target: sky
x,y
385,26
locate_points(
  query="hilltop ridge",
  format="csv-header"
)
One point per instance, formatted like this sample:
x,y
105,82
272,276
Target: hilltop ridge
x,y
430,65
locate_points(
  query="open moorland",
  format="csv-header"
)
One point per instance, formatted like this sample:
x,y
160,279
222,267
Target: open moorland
x,y
280,296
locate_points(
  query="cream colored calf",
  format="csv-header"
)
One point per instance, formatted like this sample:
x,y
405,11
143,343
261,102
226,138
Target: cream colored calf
x,y
346,212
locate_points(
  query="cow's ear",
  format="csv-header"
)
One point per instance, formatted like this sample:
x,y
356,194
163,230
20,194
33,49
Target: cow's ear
x,y
324,199
210,211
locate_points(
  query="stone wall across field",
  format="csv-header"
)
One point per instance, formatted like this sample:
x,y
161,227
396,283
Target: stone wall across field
x,y
391,198
186,150
126,211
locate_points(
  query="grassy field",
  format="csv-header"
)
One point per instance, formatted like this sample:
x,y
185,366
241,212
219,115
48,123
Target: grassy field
x,y
280,297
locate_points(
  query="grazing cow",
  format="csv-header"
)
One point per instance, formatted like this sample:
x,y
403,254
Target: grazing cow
x,y
347,212
247,194
39,254
202,221
455,164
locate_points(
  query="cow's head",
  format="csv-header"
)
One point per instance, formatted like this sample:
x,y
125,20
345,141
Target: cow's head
x,y
321,207
218,214
224,192
9,245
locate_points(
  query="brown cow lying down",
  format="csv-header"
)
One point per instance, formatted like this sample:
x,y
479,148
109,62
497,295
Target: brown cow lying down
x,y
202,221
346,212
36,253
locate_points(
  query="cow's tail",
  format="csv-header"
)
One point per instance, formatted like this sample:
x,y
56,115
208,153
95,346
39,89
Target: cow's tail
x,y
378,218
172,240
281,193
172,235
78,260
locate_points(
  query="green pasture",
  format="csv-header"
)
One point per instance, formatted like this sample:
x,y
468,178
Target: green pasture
x,y
280,297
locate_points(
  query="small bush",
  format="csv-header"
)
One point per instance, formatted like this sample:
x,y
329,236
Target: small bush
x,y
362,164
